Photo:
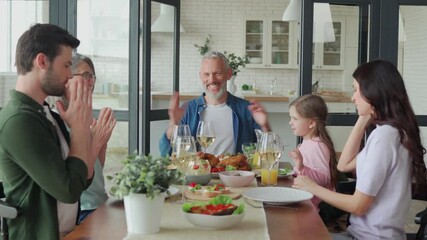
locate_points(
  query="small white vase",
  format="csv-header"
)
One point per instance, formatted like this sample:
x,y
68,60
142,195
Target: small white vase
x,y
231,85
143,214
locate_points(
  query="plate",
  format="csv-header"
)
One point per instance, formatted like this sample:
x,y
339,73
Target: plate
x,y
172,191
287,174
277,195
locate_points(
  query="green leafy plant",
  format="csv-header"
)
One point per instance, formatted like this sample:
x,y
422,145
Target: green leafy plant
x,y
235,62
144,174
203,49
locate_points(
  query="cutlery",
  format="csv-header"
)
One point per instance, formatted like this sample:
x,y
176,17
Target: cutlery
x,y
268,205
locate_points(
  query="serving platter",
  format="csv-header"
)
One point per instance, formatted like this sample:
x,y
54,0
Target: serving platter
x,y
277,195
200,197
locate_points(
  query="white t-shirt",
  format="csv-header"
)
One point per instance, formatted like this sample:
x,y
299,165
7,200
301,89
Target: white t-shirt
x,y
222,119
384,171
67,213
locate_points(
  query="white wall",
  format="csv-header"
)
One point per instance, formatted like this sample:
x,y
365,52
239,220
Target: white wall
x,y
225,21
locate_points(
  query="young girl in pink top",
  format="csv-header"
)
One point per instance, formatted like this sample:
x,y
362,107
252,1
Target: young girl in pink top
x,y
315,156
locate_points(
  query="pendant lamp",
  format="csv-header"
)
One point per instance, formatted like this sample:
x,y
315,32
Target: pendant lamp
x,y
165,22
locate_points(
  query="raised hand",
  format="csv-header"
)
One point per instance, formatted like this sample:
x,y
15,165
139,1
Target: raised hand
x,y
78,113
175,111
101,130
78,116
260,115
298,159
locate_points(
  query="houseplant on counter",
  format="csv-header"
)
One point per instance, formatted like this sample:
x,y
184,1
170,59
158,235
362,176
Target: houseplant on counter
x,y
234,62
143,182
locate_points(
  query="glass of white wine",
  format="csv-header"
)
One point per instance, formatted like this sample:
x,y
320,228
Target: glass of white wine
x,y
270,150
179,131
205,134
183,155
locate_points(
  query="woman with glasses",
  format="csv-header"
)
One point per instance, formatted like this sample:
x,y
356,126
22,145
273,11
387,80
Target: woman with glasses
x,y
95,194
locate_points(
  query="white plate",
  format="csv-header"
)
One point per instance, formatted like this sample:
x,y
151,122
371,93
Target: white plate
x,y
277,195
172,191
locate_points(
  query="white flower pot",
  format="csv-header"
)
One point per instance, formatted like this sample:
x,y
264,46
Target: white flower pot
x,y
231,85
143,214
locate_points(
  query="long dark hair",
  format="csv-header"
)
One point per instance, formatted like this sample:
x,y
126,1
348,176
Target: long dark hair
x,y
314,108
383,88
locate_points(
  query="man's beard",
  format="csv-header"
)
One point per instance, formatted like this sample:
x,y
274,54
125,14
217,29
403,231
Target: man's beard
x,y
51,84
217,95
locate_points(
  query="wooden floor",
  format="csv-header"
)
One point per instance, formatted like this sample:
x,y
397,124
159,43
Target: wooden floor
x,y
113,164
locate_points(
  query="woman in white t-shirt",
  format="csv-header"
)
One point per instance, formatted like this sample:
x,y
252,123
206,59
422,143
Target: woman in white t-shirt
x,y
391,159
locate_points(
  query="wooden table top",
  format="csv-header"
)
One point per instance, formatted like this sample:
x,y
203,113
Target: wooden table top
x,y
109,222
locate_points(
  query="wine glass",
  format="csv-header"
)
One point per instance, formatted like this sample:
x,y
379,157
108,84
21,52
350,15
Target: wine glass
x,y
270,149
179,131
183,155
205,134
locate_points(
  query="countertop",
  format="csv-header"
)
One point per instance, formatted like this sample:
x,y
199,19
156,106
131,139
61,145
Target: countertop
x,y
327,96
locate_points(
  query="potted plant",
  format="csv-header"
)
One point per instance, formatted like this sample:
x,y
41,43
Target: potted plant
x,y
143,182
235,62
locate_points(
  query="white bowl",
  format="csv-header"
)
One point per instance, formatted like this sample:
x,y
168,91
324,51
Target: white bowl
x,y
214,222
199,179
237,178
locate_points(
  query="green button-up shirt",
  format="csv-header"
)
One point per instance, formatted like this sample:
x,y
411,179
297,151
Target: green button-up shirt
x,y
33,171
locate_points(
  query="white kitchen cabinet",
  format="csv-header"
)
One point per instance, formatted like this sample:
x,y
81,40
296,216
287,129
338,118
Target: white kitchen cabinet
x,y
330,55
267,43
109,35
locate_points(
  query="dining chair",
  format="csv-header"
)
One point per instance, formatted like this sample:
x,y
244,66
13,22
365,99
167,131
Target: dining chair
x,y
6,212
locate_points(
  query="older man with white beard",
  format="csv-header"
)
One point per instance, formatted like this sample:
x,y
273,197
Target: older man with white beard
x,y
234,118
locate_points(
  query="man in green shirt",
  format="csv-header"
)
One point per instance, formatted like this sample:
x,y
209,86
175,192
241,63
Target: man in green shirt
x,y
35,176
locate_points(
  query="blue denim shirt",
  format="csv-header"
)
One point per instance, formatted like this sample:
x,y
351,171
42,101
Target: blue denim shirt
x,y
243,123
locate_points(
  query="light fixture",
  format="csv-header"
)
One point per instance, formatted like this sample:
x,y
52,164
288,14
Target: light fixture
x,y
293,11
165,21
323,29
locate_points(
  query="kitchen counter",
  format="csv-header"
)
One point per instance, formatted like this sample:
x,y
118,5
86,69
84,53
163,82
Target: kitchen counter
x,y
336,101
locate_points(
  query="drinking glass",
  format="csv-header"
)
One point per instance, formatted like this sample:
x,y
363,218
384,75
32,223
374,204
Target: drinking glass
x,y
184,155
249,150
270,150
205,134
179,131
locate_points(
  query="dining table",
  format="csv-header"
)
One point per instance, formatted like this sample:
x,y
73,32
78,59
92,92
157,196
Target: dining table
x,y
295,221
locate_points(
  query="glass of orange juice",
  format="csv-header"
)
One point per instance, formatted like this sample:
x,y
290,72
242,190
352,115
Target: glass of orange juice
x,y
269,172
270,151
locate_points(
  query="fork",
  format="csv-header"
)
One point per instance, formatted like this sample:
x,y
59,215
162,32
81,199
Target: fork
x,y
269,205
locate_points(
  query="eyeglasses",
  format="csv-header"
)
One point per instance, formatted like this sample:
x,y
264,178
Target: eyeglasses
x,y
86,75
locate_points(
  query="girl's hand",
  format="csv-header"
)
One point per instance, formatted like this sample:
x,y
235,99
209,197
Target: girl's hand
x,y
304,183
297,157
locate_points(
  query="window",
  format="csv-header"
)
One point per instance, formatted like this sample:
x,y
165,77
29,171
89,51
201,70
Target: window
x,y
15,18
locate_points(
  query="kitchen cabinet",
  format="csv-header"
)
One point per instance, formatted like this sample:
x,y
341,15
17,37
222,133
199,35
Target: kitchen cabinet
x,y
330,55
267,43
108,32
